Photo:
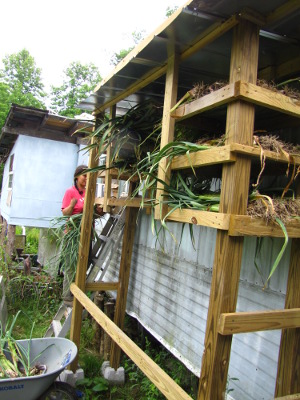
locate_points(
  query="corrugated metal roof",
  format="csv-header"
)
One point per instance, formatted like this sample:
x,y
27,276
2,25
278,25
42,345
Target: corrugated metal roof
x,y
141,74
39,123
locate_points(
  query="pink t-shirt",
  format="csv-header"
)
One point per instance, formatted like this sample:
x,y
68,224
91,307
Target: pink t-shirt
x,y
71,193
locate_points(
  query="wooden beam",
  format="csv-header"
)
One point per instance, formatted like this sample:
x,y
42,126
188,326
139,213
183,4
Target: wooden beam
x,y
169,388
167,130
215,155
208,36
289,397
267,98
281,71
243,322
210,101
124,274
204,218
243,225
85,239
108,177
288,369
239,90
287,8
234,199
101,286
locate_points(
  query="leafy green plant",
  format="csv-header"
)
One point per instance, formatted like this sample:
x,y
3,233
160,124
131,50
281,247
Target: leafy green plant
x,y
93,387
15,360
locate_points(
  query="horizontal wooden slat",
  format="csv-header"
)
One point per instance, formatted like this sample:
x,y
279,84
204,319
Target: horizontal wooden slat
x,y
215,155
243,225
267,98
242,322
240,91
123,202
115,174
205,218
205,103
295,396
170,389
94,286
256,152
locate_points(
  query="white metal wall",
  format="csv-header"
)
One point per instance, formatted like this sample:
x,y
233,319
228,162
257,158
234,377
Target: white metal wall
x,y
169,294
43,170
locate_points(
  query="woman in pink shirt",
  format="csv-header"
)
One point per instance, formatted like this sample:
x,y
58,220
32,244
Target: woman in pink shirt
x,y
73,202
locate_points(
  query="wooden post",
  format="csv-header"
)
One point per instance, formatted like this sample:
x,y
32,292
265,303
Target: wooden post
x,y
10,242
109,311
124,273
107,187
85,238
99,301
234,197
168,126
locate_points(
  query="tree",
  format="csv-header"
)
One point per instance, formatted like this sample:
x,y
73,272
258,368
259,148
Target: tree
x,y
78,83
117,57
23,79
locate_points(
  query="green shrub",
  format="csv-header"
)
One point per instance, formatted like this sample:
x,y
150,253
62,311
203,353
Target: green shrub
x,y
32,240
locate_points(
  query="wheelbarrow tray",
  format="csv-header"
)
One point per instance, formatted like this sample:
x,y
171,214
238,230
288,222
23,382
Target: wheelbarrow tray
x,y
56,353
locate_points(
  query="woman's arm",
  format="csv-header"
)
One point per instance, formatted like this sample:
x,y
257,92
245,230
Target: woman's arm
x,y
68,210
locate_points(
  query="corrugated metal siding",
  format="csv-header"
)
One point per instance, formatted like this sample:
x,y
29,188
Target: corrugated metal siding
x,y
169,294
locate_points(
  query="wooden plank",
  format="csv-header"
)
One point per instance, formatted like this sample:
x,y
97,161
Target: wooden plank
x,y
267,98
234,199
85,238
196,217
287,8
295,396
243,322
167,130
115,173
125,202
288,370
281,71
210,101
108,178
243,225
161,380
124,274
216,155
208,36
94,286
271,155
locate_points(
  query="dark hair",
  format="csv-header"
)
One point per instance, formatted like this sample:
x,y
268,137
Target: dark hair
x,y
80,170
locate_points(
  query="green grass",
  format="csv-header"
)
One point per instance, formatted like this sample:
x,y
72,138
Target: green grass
x,y
37,298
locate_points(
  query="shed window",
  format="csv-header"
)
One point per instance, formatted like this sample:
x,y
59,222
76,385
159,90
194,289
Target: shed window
x,y
11,172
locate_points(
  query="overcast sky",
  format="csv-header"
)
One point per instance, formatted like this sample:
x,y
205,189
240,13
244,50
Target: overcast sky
x,y
58,32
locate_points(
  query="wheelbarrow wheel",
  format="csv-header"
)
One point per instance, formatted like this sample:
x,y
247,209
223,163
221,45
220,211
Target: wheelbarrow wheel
x,y
59,391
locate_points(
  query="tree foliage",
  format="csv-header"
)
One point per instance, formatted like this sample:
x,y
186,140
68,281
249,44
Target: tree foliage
x,y
20,83
23,77
136,38
78,82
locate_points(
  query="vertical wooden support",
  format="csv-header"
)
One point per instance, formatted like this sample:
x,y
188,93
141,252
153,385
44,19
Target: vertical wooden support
x,y
124,273
85,239
234,197
288,370
107,187
168,126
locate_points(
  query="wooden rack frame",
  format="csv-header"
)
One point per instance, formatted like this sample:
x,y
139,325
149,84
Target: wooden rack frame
x,y
240,97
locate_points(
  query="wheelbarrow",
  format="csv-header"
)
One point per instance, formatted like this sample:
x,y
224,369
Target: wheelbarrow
x,y
53,353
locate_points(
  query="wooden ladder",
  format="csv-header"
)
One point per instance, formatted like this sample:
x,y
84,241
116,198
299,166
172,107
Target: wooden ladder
x,y
102,251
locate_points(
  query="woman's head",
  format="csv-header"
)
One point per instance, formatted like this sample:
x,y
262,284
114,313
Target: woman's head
x,y
80,176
